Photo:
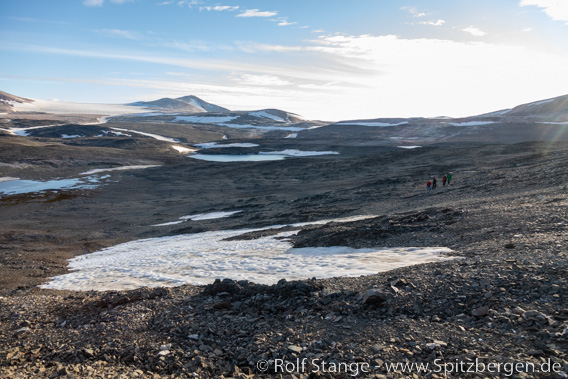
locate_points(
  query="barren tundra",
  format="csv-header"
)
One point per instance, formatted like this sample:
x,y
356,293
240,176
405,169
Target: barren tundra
x,y
501,302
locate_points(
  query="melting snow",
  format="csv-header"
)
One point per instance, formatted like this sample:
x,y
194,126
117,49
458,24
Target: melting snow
x,y
201,258
555,123
293,135
409,147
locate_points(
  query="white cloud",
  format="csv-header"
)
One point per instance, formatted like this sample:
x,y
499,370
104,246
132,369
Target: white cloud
x,y
188,3
414,12
99,3
527,29
256,13
474,31
285,23
253,47
128,34
433,23
338,77
220,8
555,9
196,45
93,3
260,80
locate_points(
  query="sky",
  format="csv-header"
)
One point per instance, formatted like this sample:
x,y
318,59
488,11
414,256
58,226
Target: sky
x,y
322,59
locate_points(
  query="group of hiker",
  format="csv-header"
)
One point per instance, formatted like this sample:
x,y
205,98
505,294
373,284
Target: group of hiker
x,y
432,184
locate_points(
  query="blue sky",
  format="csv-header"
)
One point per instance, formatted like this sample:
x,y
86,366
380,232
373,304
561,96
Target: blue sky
x,y
328,60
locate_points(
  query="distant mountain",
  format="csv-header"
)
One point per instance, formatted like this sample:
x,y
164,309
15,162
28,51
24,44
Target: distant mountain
x,y
191,104
7,101
556,107
276,115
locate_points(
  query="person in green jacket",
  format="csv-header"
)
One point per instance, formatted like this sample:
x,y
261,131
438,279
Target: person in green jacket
x,y
449,178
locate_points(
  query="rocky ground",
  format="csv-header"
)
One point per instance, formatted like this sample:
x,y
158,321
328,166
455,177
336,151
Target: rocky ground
x,y
499,310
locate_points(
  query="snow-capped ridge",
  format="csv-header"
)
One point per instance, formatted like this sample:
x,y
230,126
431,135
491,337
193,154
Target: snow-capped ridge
x,y
191,104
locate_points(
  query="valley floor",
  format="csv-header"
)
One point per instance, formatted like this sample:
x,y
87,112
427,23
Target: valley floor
x,y
499,310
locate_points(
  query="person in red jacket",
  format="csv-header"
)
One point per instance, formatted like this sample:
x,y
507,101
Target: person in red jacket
x,y
429,186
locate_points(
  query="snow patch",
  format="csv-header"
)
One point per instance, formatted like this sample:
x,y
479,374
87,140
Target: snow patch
x,y
205,119
71,136
293,135
155,136
200,258
540,102
267,128
266,115
472,123
7,178
121,168
183,149
365,123
409,147
200,217
209,216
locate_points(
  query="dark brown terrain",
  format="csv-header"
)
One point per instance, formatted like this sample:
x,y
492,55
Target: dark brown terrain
x,y
502,302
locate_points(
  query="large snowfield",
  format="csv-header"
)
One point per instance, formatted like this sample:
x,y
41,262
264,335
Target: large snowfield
x,y
201,258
